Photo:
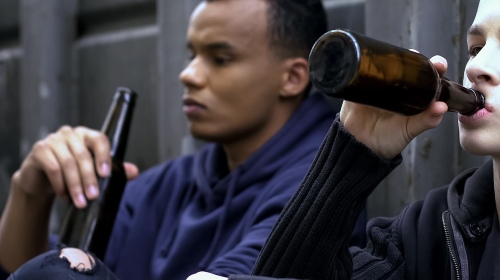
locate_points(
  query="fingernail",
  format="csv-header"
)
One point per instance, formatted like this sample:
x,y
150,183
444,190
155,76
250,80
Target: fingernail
x,y
105,168
82,200
440,60
93,190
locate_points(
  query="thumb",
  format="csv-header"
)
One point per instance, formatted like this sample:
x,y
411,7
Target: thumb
x,y
131,170
440,63
426,120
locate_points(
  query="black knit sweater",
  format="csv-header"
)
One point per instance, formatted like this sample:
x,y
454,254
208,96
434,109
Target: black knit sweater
x,y
434,239
310,239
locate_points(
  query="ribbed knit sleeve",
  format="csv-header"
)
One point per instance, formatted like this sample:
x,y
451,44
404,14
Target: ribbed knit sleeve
x,y
310,239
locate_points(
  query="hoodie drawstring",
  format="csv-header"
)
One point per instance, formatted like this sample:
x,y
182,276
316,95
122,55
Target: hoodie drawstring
x,y
222,220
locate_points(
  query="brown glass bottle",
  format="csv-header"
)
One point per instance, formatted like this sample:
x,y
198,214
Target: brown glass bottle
x,y
351,66
90,228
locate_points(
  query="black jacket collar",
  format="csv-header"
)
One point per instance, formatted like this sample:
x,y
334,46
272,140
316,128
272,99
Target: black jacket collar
x,y
471,201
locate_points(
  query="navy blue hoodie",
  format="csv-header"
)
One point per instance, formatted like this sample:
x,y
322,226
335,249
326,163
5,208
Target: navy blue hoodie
x,y
191,214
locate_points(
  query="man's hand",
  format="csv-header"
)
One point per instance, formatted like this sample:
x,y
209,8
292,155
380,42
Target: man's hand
x,y
205,276
385,133
62,164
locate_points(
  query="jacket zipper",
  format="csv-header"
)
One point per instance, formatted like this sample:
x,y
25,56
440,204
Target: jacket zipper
x,y
449,245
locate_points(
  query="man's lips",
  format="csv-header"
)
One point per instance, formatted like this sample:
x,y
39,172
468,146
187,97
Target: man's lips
x,y
478,116
193,107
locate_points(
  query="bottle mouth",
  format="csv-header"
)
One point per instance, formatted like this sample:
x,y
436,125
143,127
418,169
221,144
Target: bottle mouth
x,y
480,102
334,62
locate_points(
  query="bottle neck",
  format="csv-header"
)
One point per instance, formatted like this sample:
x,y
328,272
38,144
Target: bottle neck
x,y
120,137
117,123
458,98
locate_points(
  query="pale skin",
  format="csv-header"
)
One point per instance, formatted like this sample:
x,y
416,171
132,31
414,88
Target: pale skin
x,y
239,93
480,135
78,259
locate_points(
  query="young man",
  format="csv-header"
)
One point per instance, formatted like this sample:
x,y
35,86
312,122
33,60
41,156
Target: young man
x,y
453,234
247,91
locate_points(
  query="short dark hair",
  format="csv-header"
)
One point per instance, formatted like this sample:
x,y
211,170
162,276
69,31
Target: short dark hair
x,y
294,26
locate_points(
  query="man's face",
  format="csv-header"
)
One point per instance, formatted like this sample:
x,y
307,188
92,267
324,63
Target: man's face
x,y
233,81
480,133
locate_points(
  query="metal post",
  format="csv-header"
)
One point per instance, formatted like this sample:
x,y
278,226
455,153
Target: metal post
x,y
173,19
47,33
9,118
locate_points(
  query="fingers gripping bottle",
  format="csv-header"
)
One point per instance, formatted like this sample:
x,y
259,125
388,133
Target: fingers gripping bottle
x,y
356,68
90,228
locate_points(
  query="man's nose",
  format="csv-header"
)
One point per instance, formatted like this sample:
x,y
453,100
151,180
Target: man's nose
x,y
484,67
193,75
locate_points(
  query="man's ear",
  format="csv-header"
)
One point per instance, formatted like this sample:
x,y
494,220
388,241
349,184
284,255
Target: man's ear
x,y
295,77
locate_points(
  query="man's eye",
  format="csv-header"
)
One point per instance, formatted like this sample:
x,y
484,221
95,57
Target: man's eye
x,y
474,51
191,56
221,61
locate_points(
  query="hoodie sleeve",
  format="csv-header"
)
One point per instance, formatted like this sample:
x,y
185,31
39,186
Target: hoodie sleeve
x,y
310,239
241,259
